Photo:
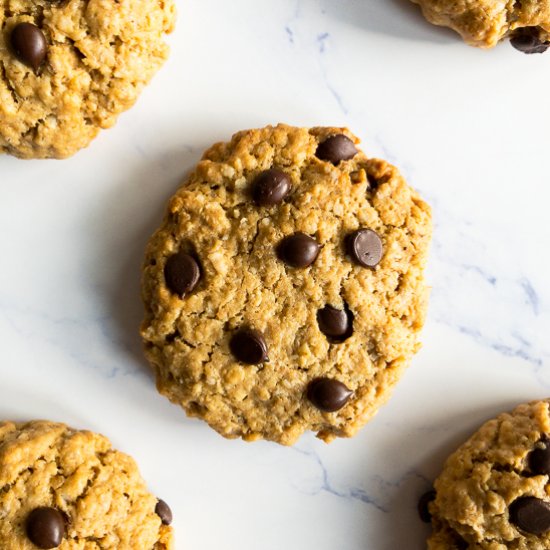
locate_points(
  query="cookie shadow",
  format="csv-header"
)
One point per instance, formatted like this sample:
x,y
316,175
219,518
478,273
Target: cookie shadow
x,y
399,18
150,185
401,526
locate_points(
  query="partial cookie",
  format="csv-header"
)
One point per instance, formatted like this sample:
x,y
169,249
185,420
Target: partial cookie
x,y
494,491
484,22
68,489
69,67
284,291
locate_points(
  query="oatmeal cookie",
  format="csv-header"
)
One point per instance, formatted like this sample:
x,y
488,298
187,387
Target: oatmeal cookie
x,y
69,67
485,22
284,290
494,491
69,489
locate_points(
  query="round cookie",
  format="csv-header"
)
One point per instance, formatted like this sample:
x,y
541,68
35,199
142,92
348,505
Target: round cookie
x,y
284,290
484,22
69,67
69,489
494,491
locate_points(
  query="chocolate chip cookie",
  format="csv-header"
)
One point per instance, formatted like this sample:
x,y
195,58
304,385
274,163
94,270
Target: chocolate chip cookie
x,y
69,67
484,22
284,290
494,491
69,489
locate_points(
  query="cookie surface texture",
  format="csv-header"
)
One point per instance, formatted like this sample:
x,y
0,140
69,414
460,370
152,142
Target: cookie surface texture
x,y
69,489
494,491
484,22
307,304
69,67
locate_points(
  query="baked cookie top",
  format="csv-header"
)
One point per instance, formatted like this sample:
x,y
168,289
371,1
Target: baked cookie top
x,y
70,67
69,489
494,491
485,22
284,290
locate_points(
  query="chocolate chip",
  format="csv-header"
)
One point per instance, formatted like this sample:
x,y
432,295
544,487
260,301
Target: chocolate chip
x,y
423,506
327,394
531,514
336,148
163,512
538,460
270,187
527,40
182,273
365,247
46,527
298,250
337,324
248,345
29,44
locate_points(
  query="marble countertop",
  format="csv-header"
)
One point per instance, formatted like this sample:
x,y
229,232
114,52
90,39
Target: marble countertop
x,y
465,126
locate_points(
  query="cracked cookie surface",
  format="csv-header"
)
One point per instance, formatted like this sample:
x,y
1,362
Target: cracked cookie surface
x,y
485,22
284,290
494,491
93,496
68,68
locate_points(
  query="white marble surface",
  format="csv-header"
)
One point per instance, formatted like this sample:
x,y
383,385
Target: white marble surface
x,y
468,128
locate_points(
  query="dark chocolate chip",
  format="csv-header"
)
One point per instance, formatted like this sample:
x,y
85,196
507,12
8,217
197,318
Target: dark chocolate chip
x,y
423,506
46,527
29,44
531,514
527,40
336,148
538,460
298,250
163,512
248,345
182,273
337,324
365,247
270,187
327,394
